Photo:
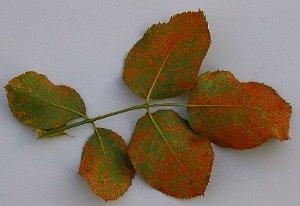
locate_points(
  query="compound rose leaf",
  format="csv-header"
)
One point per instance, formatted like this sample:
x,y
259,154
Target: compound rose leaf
x,y
106,165
170,156
38,103
235,114
165,62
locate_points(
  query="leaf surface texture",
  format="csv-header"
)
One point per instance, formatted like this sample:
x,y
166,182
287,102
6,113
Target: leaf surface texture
x,y
237,115
38,103
106,165
170,156
168,57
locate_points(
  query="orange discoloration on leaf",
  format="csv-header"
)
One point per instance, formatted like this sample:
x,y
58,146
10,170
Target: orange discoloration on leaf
x,y
183,83
178,163
246,115
182,42
107,169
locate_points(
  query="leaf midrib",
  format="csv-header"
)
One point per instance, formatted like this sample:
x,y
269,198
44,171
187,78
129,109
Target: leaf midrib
x,y
156,77
168,145
48,102
101,143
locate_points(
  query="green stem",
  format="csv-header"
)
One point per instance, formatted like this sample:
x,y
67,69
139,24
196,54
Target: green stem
x,y
168,104
172,104
136,107
91,120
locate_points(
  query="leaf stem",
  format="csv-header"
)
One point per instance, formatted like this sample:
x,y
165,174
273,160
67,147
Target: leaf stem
x,y
167,104
174,104
146,106
91,120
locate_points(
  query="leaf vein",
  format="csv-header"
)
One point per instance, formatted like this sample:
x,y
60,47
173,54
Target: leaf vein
x,y
52,103
101,143
168,145
156,78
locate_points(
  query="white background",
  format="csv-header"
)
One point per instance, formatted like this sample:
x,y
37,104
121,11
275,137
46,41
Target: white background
x,y
82,43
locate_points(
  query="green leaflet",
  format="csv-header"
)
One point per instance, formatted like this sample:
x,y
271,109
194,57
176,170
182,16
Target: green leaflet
x,y
105,164
170,156
237,115
169,54
38,103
